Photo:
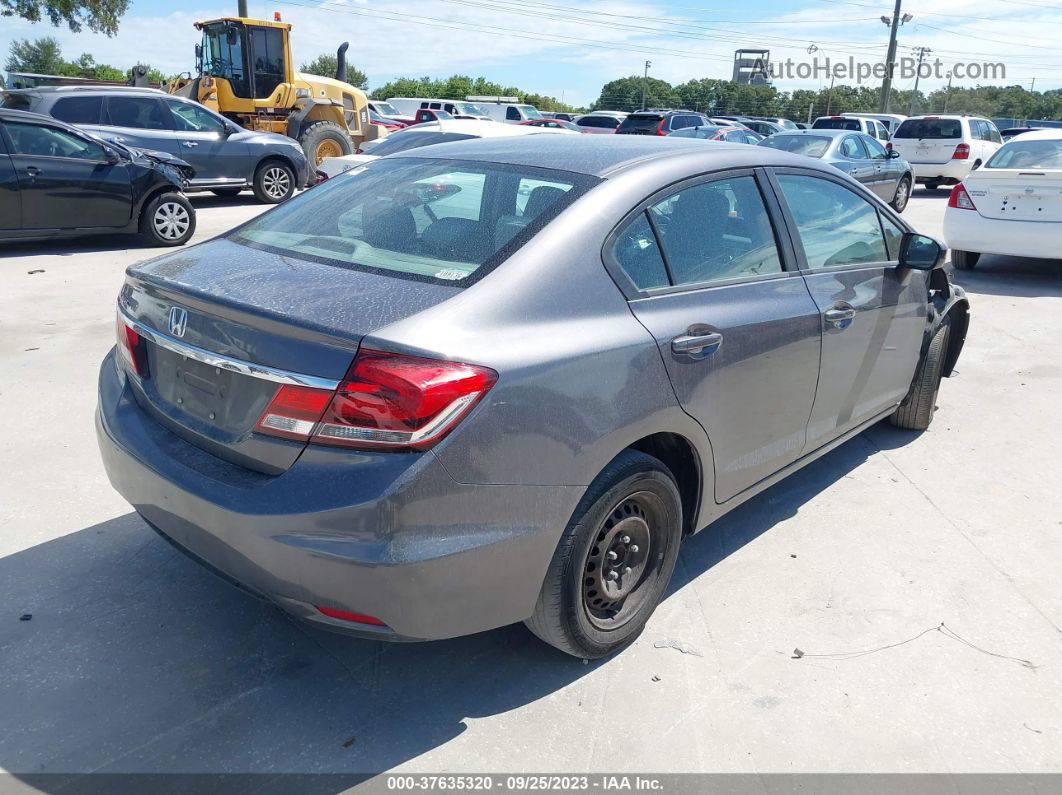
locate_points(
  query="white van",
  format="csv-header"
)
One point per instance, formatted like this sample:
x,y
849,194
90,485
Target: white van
x,y
943,150
890,120
459,109
866,125
507,109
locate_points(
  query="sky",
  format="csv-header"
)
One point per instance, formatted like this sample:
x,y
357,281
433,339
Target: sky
x,y
570,48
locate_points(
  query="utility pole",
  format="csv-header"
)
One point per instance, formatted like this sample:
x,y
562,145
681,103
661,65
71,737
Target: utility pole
x,y
241,6
886,83
829,96
1032,86
645,82
922,53
947,95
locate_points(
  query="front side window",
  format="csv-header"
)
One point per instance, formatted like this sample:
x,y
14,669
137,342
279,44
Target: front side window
x,y
512,114
877,151
141,113
42,141
223,56
78,110
893,236
193,118
716,231
836,226
429,219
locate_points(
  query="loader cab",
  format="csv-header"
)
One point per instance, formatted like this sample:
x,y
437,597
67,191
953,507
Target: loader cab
x,y
251,57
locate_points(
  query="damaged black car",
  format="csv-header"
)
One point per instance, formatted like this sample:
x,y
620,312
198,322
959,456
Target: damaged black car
x,y
58,181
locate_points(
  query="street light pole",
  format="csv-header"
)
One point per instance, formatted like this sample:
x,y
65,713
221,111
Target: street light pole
x,y
886,84
922,52
645,82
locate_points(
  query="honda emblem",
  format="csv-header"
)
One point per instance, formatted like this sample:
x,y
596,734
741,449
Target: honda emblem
x,y
178,321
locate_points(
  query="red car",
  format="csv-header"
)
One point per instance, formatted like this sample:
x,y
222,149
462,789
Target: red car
x,y
557,124
391,125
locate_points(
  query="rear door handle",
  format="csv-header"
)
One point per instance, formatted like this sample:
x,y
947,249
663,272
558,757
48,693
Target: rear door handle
x,y
839,316
697,344
190,143
32,172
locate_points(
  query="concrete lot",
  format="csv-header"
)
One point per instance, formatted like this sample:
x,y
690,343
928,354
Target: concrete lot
x,y
138,660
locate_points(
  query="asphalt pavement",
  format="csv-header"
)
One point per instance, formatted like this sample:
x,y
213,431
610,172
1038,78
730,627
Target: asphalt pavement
x,y
917,575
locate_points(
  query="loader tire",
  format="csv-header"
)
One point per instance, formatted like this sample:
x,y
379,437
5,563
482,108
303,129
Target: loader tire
x,y
324,139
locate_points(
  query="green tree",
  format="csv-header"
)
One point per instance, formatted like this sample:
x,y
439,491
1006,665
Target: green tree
x,y
101,16
626,94
325,65
41,56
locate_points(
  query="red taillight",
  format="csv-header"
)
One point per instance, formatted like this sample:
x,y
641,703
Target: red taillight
x,y
386,400
357,618
131,346
293,412
962,152
960,199
660,127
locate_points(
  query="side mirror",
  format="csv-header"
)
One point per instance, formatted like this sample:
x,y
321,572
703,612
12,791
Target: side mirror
x,y
920,252
894,155
111,155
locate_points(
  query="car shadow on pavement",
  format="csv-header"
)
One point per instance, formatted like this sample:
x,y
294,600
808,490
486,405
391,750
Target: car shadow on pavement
x,y
1014,276
136,660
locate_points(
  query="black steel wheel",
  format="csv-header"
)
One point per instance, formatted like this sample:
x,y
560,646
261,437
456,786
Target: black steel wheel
x,y
614,560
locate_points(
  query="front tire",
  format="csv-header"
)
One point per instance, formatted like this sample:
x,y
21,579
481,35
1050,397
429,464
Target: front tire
x,y
325,139
274,182
903,195
916,411
964,260
614,560
168,220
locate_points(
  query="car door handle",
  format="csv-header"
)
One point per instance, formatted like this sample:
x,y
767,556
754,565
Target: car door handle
x,y
190,143
839,316
703,344
32,172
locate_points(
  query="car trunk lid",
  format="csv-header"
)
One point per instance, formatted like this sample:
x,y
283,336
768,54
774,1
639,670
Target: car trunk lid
x,y
224,326
1017,195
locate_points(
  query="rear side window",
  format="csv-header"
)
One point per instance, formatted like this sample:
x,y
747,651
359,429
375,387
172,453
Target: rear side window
x,y
837,124
434,220
716,231
638,254
512,114
929,128
78,110
836,226
810,145
142,113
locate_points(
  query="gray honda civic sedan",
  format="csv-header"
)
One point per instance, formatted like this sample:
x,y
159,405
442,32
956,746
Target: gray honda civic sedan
x,y
500,380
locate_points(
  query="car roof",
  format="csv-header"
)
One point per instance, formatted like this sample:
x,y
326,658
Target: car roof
x,y
480,128
602,156
821,133
24,115
1042,134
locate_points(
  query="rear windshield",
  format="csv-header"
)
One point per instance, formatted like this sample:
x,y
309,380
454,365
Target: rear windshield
x,y
929,128
410,139
443,221
1028,154
15,102
640,123
810,145
836,124
599,121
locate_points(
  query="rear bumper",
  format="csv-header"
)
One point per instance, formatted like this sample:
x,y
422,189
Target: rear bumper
x,y
968,230
389,535
952,171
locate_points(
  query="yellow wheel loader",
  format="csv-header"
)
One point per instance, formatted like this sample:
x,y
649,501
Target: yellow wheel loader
x,y
245,71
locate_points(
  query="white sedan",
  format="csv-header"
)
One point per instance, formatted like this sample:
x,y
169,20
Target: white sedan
x,y
1012,205
432,132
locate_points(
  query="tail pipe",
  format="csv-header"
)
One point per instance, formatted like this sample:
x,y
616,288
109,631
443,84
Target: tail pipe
x,y
341,62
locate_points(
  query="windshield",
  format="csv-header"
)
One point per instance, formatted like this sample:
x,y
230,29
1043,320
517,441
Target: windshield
x,y
929,128
810,145
530,112
836,124
223,55
386,109
437,220
1028,154
468,109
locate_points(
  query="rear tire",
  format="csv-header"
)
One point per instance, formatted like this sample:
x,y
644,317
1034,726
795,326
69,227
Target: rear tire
x,y
916,411
964,260
325,139
632,510
903,195
274,182
226,193
168,220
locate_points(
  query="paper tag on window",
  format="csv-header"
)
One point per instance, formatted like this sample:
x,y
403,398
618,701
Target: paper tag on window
x,y
450,274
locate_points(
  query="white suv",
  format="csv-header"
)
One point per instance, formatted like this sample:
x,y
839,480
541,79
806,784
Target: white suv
x,y
864,124
945,149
